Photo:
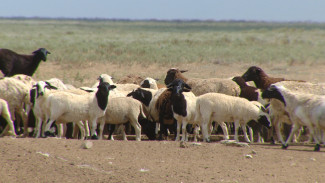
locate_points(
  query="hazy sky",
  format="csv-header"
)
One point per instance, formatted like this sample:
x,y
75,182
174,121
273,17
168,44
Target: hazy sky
x,y
258,10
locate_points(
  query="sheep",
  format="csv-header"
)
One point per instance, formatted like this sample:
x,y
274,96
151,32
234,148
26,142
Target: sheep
x,y
183,106
252,94
202,86
16,93
149,83
5,114
161,111
145,96
28,80
260,78
12,63
249,92
278,108
121,110
69,107
263,81
221,107
304,110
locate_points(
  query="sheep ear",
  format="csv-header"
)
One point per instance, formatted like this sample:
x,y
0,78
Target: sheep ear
x,y
49,86
186,90
182,71
111,87
187,86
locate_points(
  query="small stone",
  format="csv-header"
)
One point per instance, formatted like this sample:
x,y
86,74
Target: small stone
x,y
254,152
248,156
87,144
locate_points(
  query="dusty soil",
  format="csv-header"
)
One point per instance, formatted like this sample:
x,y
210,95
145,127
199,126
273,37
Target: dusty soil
x,y
61,160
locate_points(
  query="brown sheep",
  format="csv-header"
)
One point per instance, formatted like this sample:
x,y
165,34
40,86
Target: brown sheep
x,y
260,78
202,86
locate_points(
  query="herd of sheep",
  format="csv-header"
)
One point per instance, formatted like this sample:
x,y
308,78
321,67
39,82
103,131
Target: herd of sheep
x,y
182,106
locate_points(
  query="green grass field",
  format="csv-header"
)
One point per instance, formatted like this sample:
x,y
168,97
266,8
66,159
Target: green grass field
x,y
165,43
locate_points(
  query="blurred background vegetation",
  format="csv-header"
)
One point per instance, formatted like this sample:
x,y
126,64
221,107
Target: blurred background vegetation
x,y
165,43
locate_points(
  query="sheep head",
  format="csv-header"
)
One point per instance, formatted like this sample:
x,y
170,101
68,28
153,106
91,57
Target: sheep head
x,y
41,53
174,73
253,73
273,92
178,86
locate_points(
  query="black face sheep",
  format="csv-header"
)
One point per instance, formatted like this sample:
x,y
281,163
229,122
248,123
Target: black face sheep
x,y
220,107
304,110
183,104
68,107
12,63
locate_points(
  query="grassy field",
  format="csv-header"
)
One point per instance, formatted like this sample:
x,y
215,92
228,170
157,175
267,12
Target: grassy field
x,y
81,48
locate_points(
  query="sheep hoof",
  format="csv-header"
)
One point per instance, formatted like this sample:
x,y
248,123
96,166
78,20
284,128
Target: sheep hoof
x,y
272,141
94,137
317,147
49,134
285,146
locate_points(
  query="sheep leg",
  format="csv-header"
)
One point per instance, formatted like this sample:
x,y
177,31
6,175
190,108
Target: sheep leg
x,y
243,127
236,130
93,129
38,126
178,130
10,125
278,132
224,130
184,132
101,128
82,129
205,132
137,128
196,132
86,128
48,126
121,129
60,130
294,129
251,134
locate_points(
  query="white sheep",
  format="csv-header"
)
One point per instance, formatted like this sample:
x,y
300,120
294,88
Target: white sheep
x,y
303,109
120,110
16,93
220,107
120,87
68,107
4,112
277,110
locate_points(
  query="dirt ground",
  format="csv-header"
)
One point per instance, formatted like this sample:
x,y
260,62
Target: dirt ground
x,y
61,160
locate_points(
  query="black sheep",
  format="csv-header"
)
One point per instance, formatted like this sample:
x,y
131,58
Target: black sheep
x,y
12,63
